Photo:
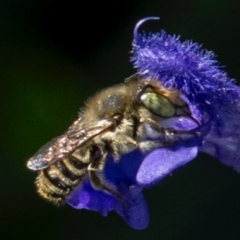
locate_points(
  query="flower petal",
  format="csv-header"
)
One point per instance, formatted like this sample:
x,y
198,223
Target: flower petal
x,y
136,213
163,161
160,162
223,139
133,210
85,197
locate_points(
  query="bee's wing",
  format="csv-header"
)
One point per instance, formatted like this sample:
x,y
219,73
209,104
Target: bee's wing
x,y
58,148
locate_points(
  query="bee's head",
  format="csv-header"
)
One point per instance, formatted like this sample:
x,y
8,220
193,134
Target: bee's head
x,y
136,97
114,101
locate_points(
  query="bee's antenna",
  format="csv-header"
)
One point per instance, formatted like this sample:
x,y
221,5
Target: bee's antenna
x,y
135,31
131,78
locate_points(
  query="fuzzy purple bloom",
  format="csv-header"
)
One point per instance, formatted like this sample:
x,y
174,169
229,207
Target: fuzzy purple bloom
x,y
214,102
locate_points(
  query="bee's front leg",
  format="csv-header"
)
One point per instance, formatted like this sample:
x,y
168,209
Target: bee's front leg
x,y
164,137
147,146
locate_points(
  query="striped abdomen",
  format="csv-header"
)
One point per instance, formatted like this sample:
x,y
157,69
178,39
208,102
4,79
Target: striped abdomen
x,y
57,181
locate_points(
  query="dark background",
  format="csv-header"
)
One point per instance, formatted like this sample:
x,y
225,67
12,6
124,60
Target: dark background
x,y
53,55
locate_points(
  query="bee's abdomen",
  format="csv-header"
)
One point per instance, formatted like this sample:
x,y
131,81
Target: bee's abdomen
x,y
58,180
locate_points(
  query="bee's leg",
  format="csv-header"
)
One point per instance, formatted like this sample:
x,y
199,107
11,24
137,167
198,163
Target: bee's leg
x,y
121,145
155,125
170,133
147,146
127,140
100,183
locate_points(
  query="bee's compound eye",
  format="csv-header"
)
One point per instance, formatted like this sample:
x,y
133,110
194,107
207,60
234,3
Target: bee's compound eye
x,y
158,104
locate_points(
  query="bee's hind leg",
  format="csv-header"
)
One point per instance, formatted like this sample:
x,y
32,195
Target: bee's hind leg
x,y
100,183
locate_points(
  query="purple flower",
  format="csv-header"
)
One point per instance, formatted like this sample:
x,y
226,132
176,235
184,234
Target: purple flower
x,y
214,102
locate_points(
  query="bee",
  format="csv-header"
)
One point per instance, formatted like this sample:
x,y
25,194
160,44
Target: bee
x,y
116,121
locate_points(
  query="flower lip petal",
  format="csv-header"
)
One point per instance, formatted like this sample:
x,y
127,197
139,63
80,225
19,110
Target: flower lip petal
x,y
163,161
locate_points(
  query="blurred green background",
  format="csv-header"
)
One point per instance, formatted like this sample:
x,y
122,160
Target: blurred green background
x,y
55,54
